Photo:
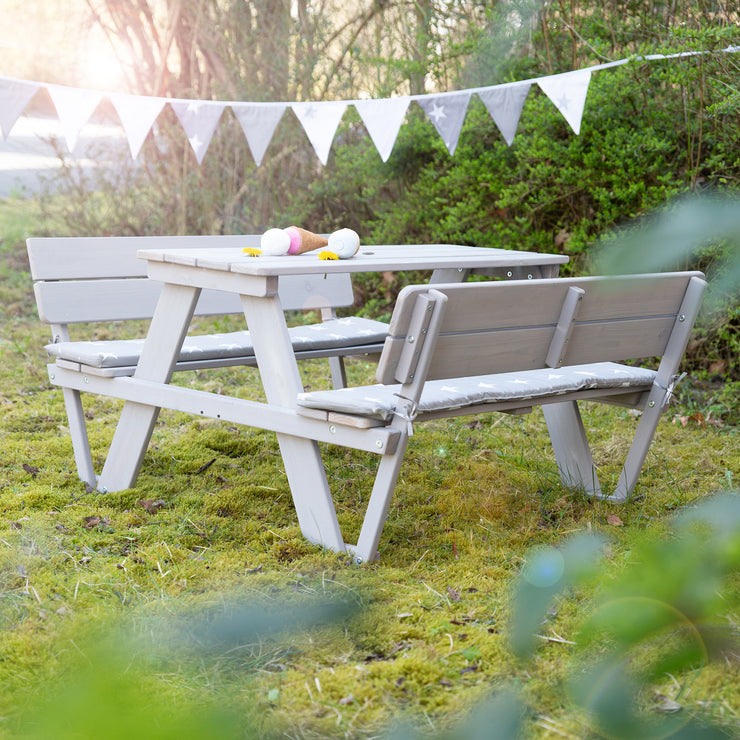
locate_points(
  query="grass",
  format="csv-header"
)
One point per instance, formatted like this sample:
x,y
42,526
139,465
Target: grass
x,y
166,599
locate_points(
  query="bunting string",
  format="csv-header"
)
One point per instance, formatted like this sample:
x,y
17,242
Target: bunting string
x,y
382,117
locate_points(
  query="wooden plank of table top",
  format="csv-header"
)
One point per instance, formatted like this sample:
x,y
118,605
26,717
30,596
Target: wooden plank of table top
x,y
369,259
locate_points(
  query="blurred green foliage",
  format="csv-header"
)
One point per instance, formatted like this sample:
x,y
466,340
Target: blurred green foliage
x,y
669,613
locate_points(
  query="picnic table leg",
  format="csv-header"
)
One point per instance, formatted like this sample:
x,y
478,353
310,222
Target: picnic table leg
x,y
572,452
376,513
449,275
167,331
301,457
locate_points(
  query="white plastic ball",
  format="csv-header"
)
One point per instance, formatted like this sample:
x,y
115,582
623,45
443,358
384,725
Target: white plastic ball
x,y
275,242
344,243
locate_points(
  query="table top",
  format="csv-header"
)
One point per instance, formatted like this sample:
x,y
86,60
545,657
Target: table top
x,y
370,258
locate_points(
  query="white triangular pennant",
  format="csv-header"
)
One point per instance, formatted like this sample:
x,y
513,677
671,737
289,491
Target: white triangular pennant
x,y
383,119
320,122
505,103
199,118
447,113
15,95
137,115
74,107
258,121
568,92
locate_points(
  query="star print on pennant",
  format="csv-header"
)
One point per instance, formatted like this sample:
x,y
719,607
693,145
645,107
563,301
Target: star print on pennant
x,y
568,92
15,95
199,118
447,113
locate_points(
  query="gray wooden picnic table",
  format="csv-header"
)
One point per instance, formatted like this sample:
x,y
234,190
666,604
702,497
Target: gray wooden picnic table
x,y
184,272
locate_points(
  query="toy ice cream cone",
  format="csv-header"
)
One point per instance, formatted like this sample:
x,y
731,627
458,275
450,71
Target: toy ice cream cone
x,y
292,240
304,241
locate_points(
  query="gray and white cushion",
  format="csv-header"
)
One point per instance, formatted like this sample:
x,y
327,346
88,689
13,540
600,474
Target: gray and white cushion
x,y
345,332
379,401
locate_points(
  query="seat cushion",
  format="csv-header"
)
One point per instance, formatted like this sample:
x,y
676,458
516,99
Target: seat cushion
x,y
379,401
330,334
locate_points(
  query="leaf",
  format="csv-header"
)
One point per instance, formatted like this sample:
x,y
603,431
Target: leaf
x,y
471,654
454,595
665,704
30,469
698,417
152,506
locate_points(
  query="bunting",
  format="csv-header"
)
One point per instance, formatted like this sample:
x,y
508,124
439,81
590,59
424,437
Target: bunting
x,y
258,121
199,118
137,116
320,121
382,118
74,107
447,113
15,95
505,103
568,93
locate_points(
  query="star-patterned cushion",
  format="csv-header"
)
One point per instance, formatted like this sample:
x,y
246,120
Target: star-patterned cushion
x,y
346,332
379,401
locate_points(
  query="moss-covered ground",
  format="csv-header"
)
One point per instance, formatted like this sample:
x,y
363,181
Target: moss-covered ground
x,y
135,599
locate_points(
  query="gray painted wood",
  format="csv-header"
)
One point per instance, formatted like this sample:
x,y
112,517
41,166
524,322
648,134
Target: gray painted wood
x,y
134,430
301,457
89,280
207,267
489,328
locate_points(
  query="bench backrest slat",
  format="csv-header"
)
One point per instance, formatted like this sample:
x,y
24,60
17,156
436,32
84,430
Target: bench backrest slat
x,y
91,257
508,326
81,280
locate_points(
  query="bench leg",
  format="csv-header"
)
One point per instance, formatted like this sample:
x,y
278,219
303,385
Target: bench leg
x,y
338,373
78,433
573,455
640,445
389,468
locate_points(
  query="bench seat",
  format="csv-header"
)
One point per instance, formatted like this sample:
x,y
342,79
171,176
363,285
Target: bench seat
x,y
380,401
120,356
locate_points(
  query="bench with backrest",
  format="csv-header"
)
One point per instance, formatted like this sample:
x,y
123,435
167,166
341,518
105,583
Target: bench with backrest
x,y
88,280
508,346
